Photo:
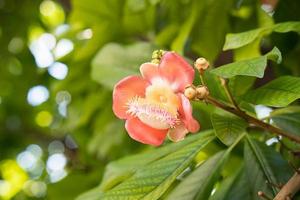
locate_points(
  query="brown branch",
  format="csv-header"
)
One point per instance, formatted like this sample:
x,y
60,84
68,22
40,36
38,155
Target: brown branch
x,y
253,120
290,188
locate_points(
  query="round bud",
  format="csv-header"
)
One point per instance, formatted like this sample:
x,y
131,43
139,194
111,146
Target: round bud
x,y
157,55
202,92
201,64
190,92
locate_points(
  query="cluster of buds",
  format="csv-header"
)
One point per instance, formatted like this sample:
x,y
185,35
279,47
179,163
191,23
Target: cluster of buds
x,y
192,93
200,92
156,56
201,64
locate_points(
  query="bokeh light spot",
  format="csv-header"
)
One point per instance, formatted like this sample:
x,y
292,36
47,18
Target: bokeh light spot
x,y
26,160
52,13
63,47
58,70
262,111
56,146
35,149
48,40
85,34
56,162
15,66
61,29
36,189
13,177
44,118
37,95
42,54
16,45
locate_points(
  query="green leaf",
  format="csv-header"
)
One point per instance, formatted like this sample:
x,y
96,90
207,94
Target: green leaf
x,y
152,180
234,187
103,143
69,185
237,40
98,16
199,184
287,119
278,93
287,27
209,32
239,85
263,164
137,12
180,41
114,62
121,169
228,127
166,35
215,87
251,67
92,194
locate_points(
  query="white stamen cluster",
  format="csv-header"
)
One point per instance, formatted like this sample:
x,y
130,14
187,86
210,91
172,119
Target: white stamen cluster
x,y
154,110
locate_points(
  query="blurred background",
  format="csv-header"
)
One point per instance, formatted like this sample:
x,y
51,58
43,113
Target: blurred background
x,y
60,59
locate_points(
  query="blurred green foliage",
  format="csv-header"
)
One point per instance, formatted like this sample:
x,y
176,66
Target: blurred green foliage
x,y
101,41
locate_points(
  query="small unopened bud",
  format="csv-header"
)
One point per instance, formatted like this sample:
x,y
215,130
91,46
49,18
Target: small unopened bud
x,y
202,92
201,64
190,92
157,55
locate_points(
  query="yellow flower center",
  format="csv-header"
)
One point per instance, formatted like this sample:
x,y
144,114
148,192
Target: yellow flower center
x,y
158,109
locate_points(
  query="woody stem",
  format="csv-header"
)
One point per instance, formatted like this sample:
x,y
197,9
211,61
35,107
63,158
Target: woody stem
x,y
252,120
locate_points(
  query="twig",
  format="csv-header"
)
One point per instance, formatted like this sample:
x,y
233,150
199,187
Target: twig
x,y
228,93
274,185
290,188
253,120
202,79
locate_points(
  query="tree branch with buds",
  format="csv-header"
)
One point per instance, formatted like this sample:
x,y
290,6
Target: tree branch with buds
x,y
201,92
198,93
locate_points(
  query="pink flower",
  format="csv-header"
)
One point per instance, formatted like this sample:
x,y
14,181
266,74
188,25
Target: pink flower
x,y
154,105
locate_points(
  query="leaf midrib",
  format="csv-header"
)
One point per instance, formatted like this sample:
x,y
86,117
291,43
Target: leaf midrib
x,y
178,168
258,154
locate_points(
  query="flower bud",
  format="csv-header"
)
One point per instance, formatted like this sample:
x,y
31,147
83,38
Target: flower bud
x,y
202,92
157,55
201,64
190,92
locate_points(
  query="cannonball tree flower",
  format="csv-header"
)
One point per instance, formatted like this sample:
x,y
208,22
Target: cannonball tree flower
x,y
153,104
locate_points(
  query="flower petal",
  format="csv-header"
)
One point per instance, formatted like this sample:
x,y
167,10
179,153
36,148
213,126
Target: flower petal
x,y
177,71
178,133
125,89
149,71
185,112
143,133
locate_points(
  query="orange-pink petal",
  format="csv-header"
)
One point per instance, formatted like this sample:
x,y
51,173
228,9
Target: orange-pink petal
x,y
178,133
176,70
143,133
185,112
126,89
150,71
